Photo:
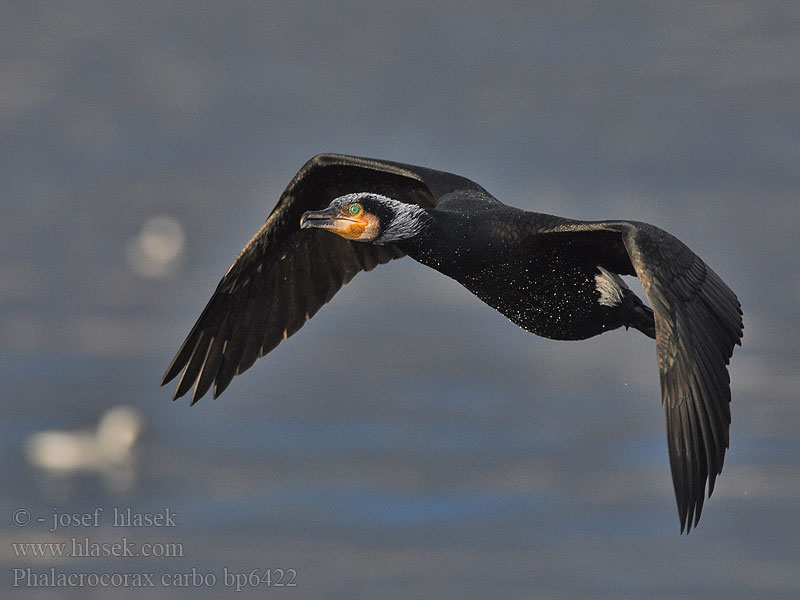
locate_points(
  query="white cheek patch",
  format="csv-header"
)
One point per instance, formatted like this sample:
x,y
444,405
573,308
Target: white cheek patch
x,y
611,287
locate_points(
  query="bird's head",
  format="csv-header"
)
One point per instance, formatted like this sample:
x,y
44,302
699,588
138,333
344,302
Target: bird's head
x,y
368,217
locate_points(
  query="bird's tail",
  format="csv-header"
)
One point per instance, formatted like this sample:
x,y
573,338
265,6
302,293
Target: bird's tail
x,y
639,315
627,307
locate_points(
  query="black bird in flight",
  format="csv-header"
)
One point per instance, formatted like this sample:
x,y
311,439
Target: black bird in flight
x,y
555,277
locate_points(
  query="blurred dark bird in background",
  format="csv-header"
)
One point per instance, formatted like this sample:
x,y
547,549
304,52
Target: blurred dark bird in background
x,y
555,277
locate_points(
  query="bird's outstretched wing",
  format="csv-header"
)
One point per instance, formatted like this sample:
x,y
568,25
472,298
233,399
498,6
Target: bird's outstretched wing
x,y
698,322
285,274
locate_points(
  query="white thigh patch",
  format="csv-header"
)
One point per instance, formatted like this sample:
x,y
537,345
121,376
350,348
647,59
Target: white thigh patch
x,y
611,287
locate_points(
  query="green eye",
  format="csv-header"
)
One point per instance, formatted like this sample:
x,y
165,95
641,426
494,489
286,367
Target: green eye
x,y
354,209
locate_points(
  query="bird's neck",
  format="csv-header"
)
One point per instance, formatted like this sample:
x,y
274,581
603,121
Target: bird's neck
x,y
408,222
441,242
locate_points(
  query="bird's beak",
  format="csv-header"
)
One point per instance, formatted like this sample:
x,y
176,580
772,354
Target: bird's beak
x,y
335,221
320,219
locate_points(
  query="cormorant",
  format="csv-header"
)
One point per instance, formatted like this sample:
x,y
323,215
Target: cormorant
x,y
555,277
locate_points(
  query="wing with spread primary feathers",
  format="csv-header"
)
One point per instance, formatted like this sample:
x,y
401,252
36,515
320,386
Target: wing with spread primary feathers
x,y
698,322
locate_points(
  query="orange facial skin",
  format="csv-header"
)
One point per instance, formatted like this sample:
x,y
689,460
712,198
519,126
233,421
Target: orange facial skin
x,y
348,226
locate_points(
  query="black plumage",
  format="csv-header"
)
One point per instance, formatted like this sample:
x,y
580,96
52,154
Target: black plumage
x,y
556,277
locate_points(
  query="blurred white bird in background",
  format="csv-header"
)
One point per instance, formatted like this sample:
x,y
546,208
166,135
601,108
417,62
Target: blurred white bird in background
x,y
106,451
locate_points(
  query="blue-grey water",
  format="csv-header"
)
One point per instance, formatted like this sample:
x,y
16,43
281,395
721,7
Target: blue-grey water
x,y
408,441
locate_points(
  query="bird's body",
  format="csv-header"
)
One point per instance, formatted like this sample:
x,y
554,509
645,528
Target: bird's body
x,y
555,277
499,253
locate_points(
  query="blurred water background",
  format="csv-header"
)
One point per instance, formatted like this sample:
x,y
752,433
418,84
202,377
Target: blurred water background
x,y
143,144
